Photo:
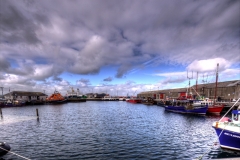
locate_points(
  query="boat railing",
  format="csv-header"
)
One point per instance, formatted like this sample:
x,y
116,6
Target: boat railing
x,y
230,109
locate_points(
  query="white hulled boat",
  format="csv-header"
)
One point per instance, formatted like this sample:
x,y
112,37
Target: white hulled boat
x,y
228,130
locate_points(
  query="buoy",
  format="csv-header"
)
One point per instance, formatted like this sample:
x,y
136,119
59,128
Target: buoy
x,y
4,148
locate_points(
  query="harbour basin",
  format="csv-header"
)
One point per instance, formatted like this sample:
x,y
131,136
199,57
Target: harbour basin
x,y
107,130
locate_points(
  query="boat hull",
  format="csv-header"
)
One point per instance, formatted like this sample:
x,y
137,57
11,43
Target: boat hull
x,y
134,101
182,109
215,109
57,101
14,104
228,139
76,100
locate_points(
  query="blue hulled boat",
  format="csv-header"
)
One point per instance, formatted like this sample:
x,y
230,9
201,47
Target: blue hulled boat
x,y
228,131
186,107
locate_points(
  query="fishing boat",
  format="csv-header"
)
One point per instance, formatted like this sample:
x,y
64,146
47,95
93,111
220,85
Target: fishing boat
x,y
161,103
213,108
186,104
186,107
4,148
73,96
148,101
228,130
134,100
14,103
56,98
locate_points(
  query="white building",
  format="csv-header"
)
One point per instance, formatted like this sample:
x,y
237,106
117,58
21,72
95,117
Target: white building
x,y
25,96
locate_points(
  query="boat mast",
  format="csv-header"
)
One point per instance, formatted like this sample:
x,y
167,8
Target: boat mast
x,y
189,84
197,82
216,84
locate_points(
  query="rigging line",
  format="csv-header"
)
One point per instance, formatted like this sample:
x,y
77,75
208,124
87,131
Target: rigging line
x,y
15,154
196,92
230,109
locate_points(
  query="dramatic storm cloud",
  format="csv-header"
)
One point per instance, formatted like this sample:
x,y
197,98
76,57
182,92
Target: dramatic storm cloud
x,y
47,45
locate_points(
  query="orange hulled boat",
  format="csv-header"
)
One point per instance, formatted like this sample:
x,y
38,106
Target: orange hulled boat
x,y
56,98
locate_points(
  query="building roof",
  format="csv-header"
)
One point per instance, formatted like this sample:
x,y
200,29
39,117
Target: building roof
x,y
219,84
165,91
23,93
208,85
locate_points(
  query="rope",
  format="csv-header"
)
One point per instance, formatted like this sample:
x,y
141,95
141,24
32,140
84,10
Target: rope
x,y
221,131
15,154
196,92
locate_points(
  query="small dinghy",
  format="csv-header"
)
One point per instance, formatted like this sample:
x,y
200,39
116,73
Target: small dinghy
x,y
4,148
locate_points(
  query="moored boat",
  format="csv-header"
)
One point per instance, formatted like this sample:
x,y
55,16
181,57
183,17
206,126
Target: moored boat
x,y
186,104
134,100
56,98
73,96
186,107
161,103
228,131
148,101
214,108
14,103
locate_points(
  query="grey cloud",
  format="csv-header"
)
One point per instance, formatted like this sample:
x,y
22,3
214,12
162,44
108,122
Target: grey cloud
x,y
109,79
4,64
17,25
173,80
129,34
122,70
55,78
83,82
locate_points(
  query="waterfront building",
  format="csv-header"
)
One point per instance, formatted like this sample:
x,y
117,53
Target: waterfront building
x,y
25,96
226,91
101,95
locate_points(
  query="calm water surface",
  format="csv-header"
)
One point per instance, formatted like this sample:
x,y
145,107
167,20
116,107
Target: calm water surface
x,y
107,130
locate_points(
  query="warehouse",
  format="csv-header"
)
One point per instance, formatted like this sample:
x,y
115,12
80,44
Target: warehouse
x,y
226,91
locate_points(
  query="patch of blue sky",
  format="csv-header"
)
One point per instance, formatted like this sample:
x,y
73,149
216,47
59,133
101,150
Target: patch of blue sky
x,y
13,63
40,60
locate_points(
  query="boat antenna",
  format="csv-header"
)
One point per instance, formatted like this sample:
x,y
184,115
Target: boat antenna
x,y
189,83
204,81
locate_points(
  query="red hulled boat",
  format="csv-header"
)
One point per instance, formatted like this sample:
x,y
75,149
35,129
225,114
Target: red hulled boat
x,y
214,108
134,100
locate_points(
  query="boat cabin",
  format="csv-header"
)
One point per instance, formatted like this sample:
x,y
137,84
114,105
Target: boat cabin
x,y
236,116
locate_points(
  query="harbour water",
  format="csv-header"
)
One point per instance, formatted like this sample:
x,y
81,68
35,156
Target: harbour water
x,y
107,130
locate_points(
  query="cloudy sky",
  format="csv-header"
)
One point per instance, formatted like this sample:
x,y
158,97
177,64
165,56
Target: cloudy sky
x,y
119,47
